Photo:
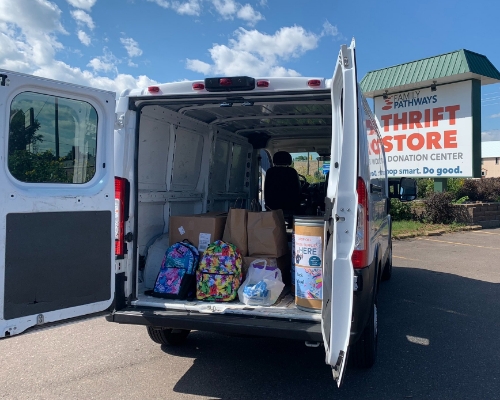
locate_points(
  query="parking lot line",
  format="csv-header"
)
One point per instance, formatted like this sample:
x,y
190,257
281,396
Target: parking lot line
x,y
487,233
406,258
460,244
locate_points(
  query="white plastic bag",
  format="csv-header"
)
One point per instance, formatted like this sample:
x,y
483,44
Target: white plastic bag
x,y
154,258
262,286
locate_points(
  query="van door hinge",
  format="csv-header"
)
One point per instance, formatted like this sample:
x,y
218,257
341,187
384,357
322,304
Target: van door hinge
x,y
328,208
3,80
119,121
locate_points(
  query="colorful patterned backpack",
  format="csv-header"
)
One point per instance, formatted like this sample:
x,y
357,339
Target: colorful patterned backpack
x,y
177,279
219,274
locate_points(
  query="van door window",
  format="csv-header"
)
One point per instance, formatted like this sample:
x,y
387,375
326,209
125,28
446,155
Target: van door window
x,y
52,139
309,166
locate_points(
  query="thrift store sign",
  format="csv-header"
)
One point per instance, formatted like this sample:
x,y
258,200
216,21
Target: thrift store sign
x,y
426,133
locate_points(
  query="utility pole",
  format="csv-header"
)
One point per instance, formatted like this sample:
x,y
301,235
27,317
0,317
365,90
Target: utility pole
x,y
307,163
57,127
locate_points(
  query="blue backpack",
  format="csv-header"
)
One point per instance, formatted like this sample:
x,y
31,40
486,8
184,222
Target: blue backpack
x,y
177,279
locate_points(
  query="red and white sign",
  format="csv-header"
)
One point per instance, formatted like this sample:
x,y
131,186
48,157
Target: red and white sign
x,y
427,134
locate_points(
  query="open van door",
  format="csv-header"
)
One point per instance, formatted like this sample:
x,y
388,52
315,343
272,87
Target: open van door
x,y
57,201
341,213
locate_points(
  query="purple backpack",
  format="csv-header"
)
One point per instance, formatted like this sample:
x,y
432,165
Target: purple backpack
x,y
177,279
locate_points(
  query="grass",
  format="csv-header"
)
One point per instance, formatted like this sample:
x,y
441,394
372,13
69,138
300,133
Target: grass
x,y
420,228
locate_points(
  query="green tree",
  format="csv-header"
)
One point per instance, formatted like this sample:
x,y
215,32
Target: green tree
x,y
20,136
25,162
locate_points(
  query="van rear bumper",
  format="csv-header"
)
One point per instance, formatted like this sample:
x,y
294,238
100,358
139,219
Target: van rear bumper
x,y
221,323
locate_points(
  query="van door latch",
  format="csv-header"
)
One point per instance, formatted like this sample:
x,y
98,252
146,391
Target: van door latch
x,y
129,237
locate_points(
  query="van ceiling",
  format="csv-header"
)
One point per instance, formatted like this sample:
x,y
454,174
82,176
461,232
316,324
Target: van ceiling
x,y
285,120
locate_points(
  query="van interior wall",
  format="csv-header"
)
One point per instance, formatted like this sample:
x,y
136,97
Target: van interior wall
x,y
182,170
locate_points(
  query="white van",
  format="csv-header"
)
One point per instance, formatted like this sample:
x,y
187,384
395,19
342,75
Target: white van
x,y
81,206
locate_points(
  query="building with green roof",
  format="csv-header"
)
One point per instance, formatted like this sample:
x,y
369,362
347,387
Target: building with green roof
x,y
456,66
433,72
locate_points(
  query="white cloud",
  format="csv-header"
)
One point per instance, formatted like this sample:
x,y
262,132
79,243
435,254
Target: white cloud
x,y
329,29
99,65
256,53
226,8
104,63
489,136
28,43
34,16
85,4
131,46
229,9
287,42
161,3
82,18
190,7
495,115
84,38
198,66
27,33
247,13
263,3
62,71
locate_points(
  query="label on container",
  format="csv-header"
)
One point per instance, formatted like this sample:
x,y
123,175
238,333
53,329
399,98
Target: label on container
x,y
308,251
309,283
204,241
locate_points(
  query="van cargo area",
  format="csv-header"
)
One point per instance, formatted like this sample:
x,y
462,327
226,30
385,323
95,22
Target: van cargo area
x,y
203,154
183,160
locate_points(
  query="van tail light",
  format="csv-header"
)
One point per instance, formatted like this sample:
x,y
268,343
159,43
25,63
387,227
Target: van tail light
x,y
361,249
314,83
120,198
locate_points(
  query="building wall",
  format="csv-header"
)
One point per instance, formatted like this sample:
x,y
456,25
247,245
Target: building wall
x,y
490,167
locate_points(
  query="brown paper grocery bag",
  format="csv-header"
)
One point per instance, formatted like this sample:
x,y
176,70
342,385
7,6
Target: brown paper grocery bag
x,y
267,233
235,231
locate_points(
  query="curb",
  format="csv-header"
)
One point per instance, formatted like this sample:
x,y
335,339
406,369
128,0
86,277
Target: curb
x,y
438,232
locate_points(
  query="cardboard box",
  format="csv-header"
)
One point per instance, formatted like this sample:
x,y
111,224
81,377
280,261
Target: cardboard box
x,y
199,229
283,263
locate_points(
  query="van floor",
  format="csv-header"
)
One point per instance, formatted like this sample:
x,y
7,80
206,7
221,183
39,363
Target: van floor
x,y
283,308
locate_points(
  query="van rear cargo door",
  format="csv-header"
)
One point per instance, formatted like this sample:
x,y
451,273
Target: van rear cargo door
x,y
341,214
57,201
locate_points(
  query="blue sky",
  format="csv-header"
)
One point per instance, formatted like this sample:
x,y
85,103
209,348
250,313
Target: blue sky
x,y
117,44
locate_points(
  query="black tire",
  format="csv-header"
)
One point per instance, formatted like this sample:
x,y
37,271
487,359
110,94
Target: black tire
x,y
387,274
172,337
363,353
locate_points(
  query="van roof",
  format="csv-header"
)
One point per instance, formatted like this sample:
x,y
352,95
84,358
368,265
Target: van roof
x,y
274,84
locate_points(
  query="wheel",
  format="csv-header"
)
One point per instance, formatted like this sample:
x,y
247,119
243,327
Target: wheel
x,y
363,353
173,337
386,275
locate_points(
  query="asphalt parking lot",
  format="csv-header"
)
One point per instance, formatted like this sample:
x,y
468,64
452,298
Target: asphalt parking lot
x,y
439,324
